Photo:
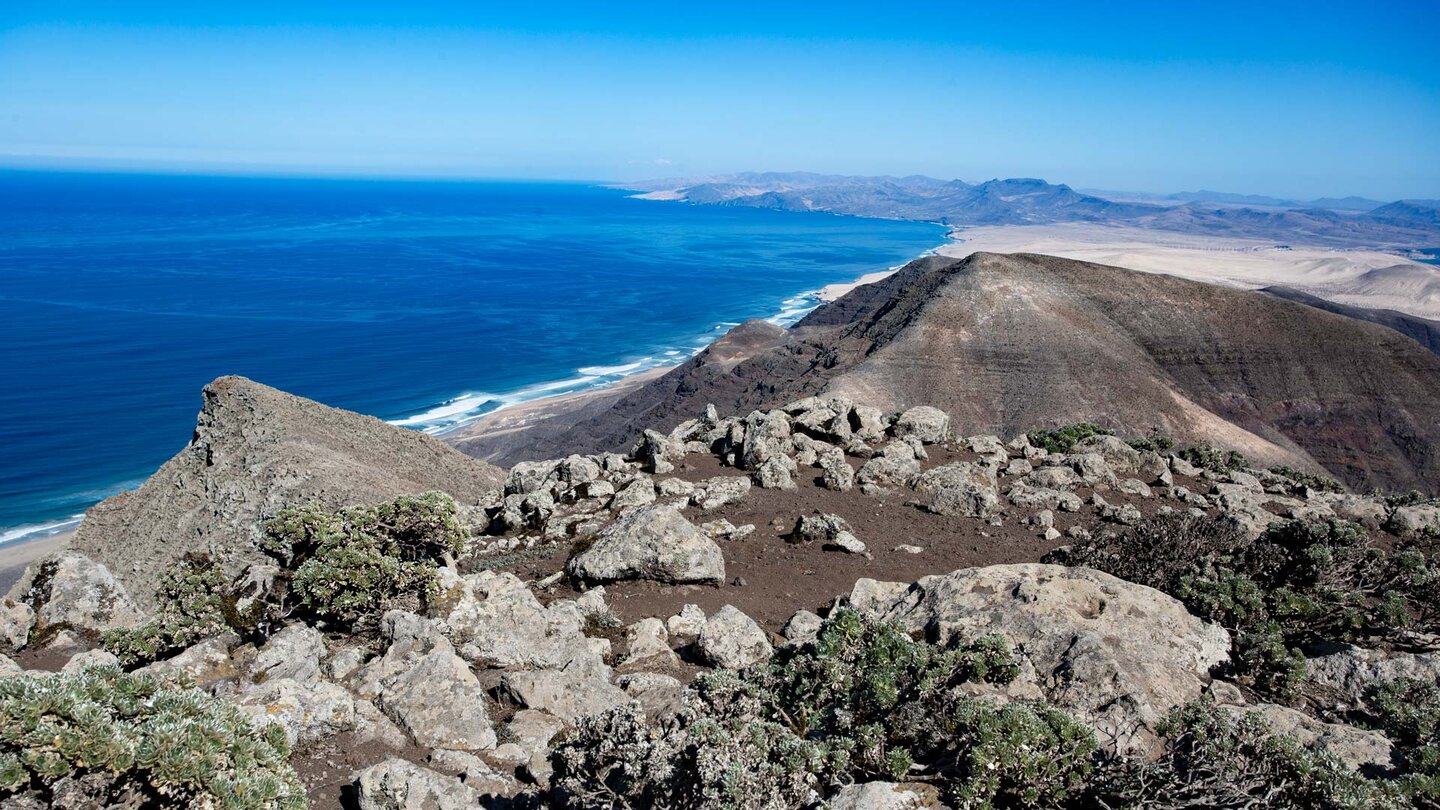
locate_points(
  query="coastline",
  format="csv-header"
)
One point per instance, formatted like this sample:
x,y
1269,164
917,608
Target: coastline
x,y
16,556
466,415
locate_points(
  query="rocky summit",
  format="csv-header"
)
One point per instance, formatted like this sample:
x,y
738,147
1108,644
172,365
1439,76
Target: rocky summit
x,y
877,588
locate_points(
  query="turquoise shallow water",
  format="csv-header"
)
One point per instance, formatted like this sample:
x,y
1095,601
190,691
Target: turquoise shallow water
x,y
425,303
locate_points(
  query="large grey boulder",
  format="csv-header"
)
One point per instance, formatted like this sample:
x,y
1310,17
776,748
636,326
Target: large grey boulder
x,y
961,488
1117,654
1355,747
884,796
294,652
732,640
653,542
720,491
579,690
308,712
495,621
396,784
440,703
16,619
70,588
1349,672
256,450
929,425
1120,456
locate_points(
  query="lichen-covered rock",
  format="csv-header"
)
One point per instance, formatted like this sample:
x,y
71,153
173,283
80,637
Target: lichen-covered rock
x,y
1415,521
569,694
294,653
732,640
90,658
652,542
1119,655
648,646
885,796
960,488
201,664
1120,456
720,491
687,622
828,528
72,589
802,626
835,472
16,619
929,425
1348,672
1355,747
494,620
439,702
396,784
307,711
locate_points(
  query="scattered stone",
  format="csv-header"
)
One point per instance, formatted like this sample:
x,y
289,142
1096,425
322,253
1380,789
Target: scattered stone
x,y
827,528
910,549
885,796
652,542
720,491
960,488
929,425
202,664
802,626
90,658
649,646
396,784
294,652
639,492
308,712
732,640
440,703
687,622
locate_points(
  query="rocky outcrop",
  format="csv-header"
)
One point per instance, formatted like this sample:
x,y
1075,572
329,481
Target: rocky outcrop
x,y
70,589
1117,654
652,542
977,338
256,450
396,784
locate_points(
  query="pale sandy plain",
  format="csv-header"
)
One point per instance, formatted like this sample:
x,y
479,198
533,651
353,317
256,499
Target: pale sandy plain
x,y
1362,278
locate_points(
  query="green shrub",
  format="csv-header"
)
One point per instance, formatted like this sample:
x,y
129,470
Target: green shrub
x,y
1301,480
863,701
1214,459
131,741
1213,757
1408,711
1064,439
194,601
350,566
1298,584
1154,443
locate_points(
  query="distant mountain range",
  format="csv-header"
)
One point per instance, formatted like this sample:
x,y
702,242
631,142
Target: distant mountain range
x,y
1343,222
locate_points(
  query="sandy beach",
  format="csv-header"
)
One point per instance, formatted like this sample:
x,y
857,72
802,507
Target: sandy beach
x,y
14,557
1364,278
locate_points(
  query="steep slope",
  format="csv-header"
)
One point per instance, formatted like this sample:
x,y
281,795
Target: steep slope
x,y
1421,330
255,450
1008,343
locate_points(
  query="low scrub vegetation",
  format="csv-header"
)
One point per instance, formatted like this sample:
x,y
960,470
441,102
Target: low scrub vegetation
x,y
1300,480
103,738
865,702
1214,459
1064,439
1299,584
341,568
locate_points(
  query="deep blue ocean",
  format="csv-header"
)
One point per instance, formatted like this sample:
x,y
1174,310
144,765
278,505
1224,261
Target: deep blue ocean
x,y
424,303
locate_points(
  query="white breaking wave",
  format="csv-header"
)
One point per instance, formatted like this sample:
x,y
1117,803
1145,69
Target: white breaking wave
x,y
39,530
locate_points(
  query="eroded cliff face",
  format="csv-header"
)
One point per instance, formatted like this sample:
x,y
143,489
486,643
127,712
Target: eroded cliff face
x,y
1006,343
255,450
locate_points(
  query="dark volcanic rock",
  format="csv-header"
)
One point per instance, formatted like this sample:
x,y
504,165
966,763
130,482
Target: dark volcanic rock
x,y
255,451
1009,343
1422,330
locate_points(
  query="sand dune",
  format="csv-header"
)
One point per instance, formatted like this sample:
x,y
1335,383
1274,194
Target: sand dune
x,y
1363,278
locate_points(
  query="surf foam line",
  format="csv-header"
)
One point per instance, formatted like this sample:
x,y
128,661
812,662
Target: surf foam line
x,y
37,531
467,407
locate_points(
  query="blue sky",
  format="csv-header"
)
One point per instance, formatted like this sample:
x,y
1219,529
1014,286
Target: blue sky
x,y
1302,99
